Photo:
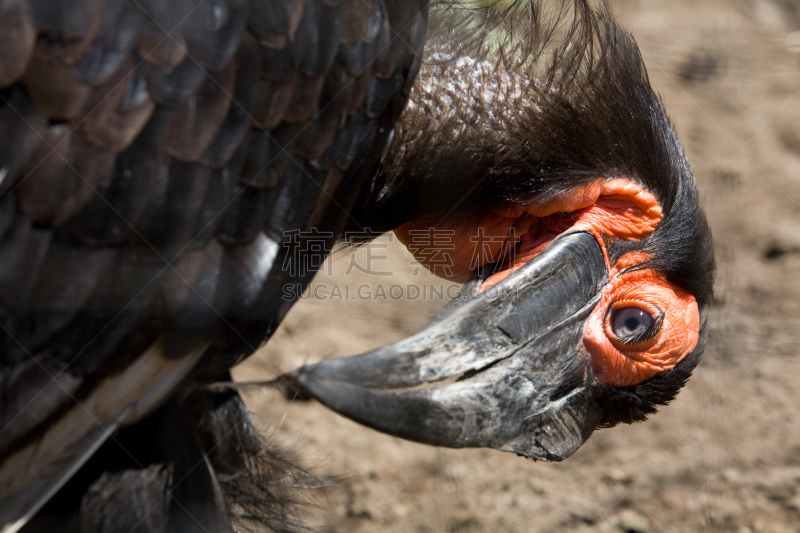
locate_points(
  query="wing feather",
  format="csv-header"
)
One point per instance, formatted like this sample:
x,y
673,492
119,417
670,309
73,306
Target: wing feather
x,y
153,157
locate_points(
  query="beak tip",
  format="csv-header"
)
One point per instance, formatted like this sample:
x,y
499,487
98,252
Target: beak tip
x,y
299,384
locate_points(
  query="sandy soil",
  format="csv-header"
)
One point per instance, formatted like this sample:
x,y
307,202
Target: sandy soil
x,y
725,456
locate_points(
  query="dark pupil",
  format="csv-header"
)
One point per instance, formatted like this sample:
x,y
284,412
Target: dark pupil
x,y
630,321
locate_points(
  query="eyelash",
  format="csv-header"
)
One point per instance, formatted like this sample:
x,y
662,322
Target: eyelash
x,y
646,334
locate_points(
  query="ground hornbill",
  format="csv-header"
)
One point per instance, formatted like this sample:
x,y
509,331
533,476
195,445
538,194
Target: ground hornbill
x,y
159,161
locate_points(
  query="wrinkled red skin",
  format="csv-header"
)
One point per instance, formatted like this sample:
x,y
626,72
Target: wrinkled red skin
x,y
611,208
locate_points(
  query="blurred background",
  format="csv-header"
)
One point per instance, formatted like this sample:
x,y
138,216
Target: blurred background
x,y
725,456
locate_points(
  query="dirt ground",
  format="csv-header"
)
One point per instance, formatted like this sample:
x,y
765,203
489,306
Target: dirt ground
x,y
725,456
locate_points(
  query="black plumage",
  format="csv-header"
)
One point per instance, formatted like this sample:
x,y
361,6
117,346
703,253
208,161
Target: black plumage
x,y
153,155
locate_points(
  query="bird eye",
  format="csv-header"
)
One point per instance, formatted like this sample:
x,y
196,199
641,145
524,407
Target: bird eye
x,y
632,324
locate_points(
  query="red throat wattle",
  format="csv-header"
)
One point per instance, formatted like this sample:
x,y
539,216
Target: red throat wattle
x,y
608,209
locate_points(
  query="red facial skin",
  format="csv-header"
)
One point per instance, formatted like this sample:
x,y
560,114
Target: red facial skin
x,y
612,208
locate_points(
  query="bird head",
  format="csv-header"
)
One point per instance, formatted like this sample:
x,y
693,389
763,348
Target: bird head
x,y
572,216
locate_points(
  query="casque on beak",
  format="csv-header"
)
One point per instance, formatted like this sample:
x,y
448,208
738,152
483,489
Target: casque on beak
x,y
504,368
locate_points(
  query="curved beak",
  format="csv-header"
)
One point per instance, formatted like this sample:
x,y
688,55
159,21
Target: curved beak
x,y
504,369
